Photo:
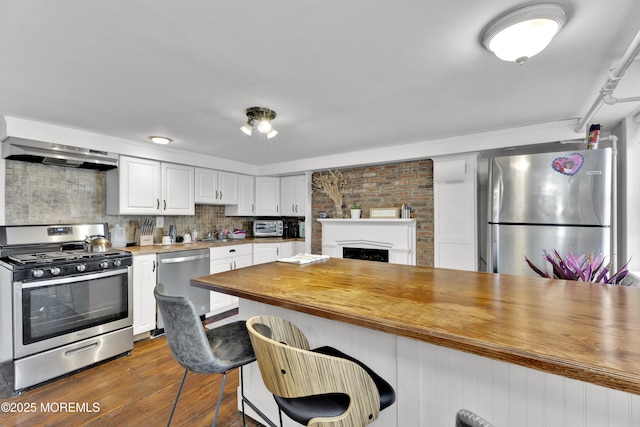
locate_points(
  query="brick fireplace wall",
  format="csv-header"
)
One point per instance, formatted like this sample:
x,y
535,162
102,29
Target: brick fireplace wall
x,y
384,186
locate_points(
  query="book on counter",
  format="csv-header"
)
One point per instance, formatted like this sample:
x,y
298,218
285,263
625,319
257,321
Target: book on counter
x,y
304,258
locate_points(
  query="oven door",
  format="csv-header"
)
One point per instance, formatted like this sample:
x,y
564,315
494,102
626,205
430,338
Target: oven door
x,y
52,313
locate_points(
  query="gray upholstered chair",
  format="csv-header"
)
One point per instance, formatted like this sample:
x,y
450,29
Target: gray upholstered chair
x,y
320,387
465,418
202,351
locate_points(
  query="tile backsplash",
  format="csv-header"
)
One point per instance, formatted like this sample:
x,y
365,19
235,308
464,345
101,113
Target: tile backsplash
x,y
42,194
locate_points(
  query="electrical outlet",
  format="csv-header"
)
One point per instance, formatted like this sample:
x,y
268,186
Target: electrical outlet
x,y
159,221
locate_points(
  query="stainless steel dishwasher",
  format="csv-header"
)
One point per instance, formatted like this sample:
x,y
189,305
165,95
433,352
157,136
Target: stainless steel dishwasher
x,y
176,269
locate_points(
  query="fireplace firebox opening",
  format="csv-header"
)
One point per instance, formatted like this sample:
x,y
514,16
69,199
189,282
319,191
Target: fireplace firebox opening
x,y
380,255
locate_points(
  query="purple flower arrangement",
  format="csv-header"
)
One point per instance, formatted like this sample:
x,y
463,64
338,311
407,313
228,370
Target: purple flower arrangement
x,y
583,269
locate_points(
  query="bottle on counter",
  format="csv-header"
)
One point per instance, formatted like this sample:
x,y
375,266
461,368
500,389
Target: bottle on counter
x,y
194,234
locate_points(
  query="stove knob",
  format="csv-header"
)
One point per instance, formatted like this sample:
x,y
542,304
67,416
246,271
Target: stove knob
x,y
37,272
117,263
81,267
104,264
55,270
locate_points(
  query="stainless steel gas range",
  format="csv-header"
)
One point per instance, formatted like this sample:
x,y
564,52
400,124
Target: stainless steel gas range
x,y
61,308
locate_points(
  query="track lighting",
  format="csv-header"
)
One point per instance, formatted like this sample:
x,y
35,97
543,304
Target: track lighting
x,y
247,128
263,116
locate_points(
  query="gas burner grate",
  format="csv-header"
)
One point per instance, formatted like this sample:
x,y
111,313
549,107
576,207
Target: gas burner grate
x,y
56,256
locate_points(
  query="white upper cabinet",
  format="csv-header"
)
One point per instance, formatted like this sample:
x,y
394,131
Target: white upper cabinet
x,y
177,190
293,195
216,187
246,198
267,196
148,187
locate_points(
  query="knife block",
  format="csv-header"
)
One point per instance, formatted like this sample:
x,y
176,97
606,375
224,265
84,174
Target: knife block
x,y
144,239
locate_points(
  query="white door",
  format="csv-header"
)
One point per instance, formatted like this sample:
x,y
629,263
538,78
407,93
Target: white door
x,y
138,187
300,192
144,303
177,189
206,186
265,252
227,188
287,196
267,196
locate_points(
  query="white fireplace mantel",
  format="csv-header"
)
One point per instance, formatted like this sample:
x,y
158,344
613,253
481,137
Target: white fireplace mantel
x,y
396,235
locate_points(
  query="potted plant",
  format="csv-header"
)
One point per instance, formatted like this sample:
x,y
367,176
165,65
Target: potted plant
x,y
582,269
356,210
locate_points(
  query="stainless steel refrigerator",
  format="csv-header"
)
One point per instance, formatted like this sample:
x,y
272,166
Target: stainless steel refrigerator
x,y
549,201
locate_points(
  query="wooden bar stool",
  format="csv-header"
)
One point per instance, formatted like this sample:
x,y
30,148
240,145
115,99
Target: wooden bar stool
x,y
321,387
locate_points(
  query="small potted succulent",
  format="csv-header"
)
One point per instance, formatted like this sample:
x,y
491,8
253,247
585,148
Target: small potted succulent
x,y
356,210
583,269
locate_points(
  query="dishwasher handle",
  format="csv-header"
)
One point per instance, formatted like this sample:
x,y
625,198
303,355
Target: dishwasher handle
x,y
183,259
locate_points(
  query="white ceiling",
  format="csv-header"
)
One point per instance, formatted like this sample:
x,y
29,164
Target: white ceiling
x,y
342,75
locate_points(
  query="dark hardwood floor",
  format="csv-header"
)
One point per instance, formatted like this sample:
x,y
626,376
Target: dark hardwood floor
x,y
136,390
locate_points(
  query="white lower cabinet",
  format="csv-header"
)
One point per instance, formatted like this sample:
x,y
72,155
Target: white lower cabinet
x,y
144,303
226,258
271,251
299,247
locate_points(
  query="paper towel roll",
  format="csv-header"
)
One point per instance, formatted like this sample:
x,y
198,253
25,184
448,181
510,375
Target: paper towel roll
x,y
452,170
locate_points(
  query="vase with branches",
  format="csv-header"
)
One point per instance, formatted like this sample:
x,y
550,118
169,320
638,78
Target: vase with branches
x,y
332,184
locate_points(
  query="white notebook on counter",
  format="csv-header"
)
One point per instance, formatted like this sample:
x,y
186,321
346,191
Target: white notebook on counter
x,y
304,258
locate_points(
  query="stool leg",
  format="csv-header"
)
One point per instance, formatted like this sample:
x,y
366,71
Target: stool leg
x,y
251,405
224,381
244,420
177,397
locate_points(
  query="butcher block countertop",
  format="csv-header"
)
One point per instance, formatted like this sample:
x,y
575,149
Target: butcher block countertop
x,y
203,244
578,330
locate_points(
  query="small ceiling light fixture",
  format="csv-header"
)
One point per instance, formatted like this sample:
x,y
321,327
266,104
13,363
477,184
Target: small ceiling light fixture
x,y
160,139
263,116
523,33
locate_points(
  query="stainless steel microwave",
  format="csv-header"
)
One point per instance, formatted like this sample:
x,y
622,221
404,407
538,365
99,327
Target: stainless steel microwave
x,y
267,228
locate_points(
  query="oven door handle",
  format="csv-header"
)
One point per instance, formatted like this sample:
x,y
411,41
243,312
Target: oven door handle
x,y
71,279
183,259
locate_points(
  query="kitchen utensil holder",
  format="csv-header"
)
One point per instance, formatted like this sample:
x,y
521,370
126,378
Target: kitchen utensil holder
x,y
145,240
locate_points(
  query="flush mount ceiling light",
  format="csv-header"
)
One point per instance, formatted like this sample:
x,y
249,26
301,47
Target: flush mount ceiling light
x,y
263,116
523,33
160,139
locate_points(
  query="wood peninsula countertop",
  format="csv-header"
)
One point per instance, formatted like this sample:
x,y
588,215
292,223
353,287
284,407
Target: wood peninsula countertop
x,y
584,331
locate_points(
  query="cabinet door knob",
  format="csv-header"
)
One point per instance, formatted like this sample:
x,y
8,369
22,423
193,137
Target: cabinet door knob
x,y
216,194
157,203
165,205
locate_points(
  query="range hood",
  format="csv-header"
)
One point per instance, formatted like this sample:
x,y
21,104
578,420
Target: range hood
x,y
48,153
